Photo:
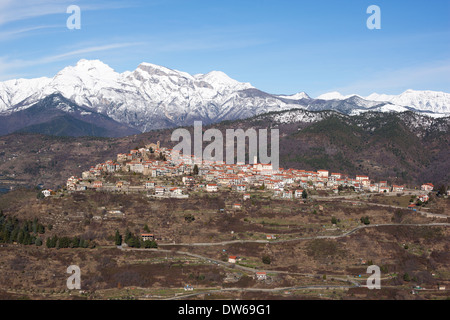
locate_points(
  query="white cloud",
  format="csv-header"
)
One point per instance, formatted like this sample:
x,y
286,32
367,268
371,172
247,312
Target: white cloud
x,y
9,34
8,65
25,9
16,10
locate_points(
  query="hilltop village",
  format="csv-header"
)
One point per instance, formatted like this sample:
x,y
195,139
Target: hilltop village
x,y
159,172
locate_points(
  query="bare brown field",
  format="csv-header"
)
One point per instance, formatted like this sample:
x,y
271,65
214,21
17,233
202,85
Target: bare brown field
x,y
299,256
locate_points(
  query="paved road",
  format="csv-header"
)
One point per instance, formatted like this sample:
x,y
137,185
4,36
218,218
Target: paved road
x,y
347,278
248,269
200,244
424,213
331,287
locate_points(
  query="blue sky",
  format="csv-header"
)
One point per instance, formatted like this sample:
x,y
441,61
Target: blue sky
x,y
280,47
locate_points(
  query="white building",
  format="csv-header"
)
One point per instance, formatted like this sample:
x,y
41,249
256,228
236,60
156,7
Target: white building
x,y
212,187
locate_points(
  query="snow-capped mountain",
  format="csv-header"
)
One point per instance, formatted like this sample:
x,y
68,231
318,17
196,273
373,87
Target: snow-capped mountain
x,y
149,97
433,101
297,96
334,96
424,101
153,97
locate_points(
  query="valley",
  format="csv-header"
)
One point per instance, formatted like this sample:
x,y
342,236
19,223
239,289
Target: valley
x,y
307,257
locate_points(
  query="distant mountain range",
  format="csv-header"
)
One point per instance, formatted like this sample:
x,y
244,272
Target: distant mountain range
x,y
92,99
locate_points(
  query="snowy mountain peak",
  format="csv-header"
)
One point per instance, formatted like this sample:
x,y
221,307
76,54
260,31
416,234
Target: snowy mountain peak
x,y
331,96
155,70
425,100
297,96
94,67
337,96
87,71
153,96
219,79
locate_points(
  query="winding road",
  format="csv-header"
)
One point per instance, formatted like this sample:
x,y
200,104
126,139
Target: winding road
x,y
346,234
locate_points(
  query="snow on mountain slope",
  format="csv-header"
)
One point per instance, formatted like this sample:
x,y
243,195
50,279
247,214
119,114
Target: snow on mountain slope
x,y
303,116
380,97
147,98
335,96
426,101
433,101
384,108
419,123
13,92
297,96
153,97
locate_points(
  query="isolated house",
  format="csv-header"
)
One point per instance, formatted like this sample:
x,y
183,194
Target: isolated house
x,y
232,259
148,236
427,187
261,276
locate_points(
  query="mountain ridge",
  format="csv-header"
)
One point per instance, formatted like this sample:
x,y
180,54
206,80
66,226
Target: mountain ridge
x,y
156,97
42,117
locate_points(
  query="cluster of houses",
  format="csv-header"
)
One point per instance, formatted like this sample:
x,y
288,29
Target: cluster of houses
x,y
154,162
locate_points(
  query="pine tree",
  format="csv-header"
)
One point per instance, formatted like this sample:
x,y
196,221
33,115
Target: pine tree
x,y
27,239
118,238
75,243
40,228
20,237
38,242
127,236
406,277
35,225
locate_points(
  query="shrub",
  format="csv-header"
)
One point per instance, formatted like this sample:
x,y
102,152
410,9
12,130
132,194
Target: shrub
x,y
266,259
